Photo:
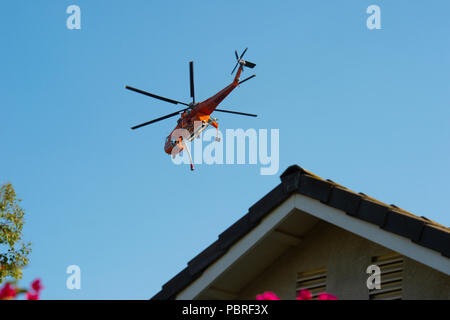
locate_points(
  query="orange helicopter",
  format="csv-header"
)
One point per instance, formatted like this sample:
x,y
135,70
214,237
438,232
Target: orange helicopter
x,y
197,116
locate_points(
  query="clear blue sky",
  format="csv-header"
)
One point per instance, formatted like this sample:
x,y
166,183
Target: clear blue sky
x,y
367,109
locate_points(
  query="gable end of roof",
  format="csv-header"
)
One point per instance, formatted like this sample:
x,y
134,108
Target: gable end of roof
x,y
295,179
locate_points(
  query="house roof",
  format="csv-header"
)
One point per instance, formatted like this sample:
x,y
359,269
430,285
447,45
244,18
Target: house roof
x,y
420,230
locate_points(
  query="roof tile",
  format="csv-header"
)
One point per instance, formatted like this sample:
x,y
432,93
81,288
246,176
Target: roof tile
x,y
205,258
436,239
345,200
403,225
236,231
271,200
173,286
315,188
372,212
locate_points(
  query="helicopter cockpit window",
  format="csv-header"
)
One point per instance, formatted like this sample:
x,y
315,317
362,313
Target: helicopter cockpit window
x,y
170,141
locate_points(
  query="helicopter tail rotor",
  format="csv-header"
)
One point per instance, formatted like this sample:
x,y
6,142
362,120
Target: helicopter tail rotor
x,y
242,62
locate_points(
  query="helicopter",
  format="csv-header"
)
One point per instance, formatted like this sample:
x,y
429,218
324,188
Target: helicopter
x,y
196,116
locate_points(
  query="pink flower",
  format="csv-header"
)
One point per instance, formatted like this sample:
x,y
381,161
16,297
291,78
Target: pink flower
x,y
326,296
32,296
304,295
267,296
37,286
7,292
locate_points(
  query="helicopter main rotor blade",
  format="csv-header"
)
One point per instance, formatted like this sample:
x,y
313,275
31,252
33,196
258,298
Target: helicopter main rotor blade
x,y
158,119
246,79
155,96
239,113
191,76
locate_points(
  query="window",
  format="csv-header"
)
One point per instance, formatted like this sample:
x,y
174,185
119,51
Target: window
x,y
391,267
315,281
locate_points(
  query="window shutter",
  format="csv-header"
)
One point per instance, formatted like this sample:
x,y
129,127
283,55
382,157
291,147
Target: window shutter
x,y
391,267
315,281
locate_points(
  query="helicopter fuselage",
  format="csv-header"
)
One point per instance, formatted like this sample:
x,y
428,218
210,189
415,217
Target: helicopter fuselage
x,y
197,118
